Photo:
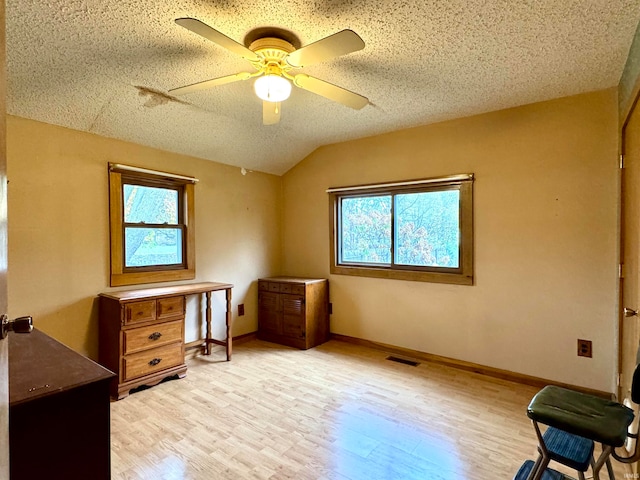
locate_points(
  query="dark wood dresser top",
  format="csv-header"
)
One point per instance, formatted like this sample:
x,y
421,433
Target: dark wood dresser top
x,y
286,279
40,366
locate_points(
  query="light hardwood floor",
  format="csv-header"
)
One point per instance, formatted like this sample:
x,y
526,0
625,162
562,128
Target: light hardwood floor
x,y
338,411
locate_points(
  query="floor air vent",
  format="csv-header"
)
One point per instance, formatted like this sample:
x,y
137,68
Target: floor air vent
x,y
403,360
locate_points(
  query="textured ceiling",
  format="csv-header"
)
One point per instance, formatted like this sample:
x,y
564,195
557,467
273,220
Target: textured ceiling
x,y
103,66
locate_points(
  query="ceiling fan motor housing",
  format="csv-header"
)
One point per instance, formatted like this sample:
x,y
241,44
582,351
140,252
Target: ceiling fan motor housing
x,y
272,49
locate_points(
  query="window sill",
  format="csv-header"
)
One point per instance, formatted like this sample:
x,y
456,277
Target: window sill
x,y
120,279
410,275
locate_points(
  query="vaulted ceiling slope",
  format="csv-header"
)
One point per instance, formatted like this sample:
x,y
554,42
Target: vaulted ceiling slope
x,y
106,66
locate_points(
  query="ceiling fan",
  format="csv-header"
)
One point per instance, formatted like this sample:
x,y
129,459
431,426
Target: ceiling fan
x,y
273,59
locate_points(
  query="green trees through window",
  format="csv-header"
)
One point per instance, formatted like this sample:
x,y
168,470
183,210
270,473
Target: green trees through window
x,y
390,231
151,225
427,229
152,231
366,230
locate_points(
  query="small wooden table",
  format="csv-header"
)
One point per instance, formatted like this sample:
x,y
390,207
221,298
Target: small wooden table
x,y
142,333
188,289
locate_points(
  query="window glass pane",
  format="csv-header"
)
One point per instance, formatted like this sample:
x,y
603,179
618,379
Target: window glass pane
x,y
428,229
150,204
366,229
152,246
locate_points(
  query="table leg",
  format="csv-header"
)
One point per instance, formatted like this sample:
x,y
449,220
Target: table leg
x,y
207,347
228,321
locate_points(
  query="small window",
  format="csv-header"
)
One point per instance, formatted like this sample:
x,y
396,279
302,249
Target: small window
x,y
414,230
152,226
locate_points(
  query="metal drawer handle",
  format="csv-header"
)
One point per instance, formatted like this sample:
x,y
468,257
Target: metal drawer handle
x,y
155,336
155,361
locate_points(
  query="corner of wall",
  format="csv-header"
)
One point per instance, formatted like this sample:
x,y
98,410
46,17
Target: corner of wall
x,y
629,84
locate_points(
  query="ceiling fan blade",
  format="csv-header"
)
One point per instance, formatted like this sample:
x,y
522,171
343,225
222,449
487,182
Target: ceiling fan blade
x,y
330,91
270,112
204,30
341,43
194,87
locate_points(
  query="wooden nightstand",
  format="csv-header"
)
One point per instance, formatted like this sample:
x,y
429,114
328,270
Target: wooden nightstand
x,y
293,311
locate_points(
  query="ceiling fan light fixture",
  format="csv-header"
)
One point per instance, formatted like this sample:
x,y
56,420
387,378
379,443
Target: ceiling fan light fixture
x,y
272,88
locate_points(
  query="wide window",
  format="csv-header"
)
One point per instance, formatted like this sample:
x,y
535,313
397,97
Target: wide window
x,y
152,226
413,230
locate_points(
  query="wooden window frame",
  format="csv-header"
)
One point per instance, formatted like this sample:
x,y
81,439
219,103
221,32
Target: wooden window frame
x,y
463,275
121,275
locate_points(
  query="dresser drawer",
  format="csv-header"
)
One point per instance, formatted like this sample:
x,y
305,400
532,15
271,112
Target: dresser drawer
x,y
153,360
297,289
138,312
169,307
136,339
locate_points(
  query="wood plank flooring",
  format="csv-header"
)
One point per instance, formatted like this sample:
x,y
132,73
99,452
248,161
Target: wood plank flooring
x,y
338,411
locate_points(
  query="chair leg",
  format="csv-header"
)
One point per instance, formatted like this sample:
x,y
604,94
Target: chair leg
x,y
542,463
612,475
534,469
602,459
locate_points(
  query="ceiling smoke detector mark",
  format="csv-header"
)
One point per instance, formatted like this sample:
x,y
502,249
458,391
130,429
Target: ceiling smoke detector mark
x,y
156,98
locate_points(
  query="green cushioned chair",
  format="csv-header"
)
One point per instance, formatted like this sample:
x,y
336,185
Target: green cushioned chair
x,y
602,420
574,422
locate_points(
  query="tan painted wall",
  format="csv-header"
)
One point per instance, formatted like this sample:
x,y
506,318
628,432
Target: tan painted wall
x,y
546,196
546,220
59,231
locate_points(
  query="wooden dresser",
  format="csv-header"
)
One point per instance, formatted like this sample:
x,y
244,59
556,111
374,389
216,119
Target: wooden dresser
x,y
142,333
59,411
293,311
141,338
